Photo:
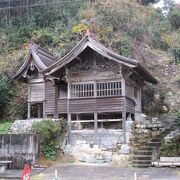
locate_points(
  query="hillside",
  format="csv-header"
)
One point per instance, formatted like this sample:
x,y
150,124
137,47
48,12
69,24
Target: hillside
x,y
131,28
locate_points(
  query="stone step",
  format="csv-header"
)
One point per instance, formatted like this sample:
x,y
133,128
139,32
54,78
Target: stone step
x,y
141,165
154,143
156,139
143,152
142,157
142,161
147,148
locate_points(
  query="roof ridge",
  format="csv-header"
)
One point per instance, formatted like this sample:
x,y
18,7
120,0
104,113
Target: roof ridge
x,y
33,46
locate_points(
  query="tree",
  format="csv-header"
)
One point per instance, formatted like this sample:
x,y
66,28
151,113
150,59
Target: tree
x,y
174,17
146,2
4,92
168,5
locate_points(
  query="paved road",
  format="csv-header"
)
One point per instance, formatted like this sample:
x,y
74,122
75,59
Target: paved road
x,y
84,172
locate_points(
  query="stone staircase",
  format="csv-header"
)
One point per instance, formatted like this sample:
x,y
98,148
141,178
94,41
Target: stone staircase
x,y
144,156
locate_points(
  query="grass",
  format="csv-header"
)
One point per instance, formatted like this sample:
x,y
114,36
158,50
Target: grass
x,y
4,127
60,159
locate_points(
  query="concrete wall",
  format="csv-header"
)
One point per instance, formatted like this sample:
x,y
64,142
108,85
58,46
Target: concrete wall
x,y
19,147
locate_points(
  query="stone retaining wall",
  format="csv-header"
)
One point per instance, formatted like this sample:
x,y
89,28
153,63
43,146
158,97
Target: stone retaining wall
x,y
23,126
105,139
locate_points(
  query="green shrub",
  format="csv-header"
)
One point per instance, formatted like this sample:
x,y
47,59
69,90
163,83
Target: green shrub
x,y
172,148
176,123
4,126
49,131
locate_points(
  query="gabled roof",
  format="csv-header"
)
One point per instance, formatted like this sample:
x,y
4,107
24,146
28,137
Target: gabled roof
x,y
38,57
89,41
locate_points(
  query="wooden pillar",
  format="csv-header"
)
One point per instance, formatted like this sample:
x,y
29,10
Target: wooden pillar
x,y
95,128
29,110
44,110
140,100
69,118
44,101
69,129
123,87
29,98
55,103
39,110
124,119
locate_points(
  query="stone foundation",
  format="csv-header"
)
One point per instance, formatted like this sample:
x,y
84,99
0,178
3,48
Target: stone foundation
x,y
106,139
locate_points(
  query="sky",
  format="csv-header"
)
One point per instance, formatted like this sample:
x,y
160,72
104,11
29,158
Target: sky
x,y
160,3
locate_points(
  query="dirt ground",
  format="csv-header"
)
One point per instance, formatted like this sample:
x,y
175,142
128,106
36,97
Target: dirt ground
x,y
106,172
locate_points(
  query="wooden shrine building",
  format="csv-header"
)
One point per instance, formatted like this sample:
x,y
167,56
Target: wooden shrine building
x,y
91,86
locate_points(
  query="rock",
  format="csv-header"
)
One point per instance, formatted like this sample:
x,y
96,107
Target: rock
x,y
124,149
23,126
96,146
85,146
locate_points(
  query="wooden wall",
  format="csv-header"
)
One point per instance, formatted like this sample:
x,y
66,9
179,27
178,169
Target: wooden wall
x,y
130,105
49,98
85,105
36,90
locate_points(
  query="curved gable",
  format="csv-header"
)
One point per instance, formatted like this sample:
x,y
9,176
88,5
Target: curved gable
x,y
38,58
89,41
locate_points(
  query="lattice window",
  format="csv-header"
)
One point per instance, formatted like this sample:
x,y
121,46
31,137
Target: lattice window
x,y
109,88
82,90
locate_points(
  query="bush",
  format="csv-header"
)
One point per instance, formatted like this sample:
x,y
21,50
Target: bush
x,y
4,126
176,123
43,37
174,18
172,148
49,131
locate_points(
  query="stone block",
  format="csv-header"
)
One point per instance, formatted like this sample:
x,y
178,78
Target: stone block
x,y
88,138
79,142
170,159
124,149
2,169
103,148
96,146
107,143
114,142
103,138
121,139
85,146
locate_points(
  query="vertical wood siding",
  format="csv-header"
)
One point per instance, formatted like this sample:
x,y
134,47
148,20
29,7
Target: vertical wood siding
x,y
36,92
62,106
50,97
108,104
130,105
85,105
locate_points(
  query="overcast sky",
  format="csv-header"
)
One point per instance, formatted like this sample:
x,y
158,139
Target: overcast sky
x,y
160,3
